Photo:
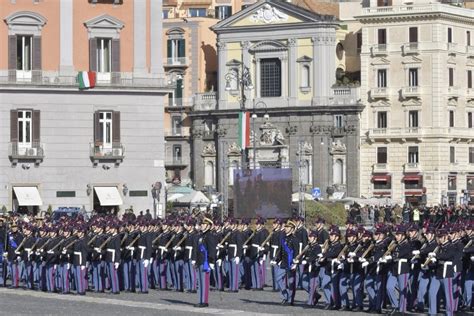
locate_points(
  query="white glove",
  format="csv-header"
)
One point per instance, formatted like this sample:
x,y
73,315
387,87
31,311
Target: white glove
x,y
365,264
431,255
351,254
350,260
219,262
193,262
220,246
64,251
83,267
130,248
212,266
55,266
261,248
177,248
433,259
245,246
320,255
17,252
18,258
97,250
336,261
415,252
362,260
116,265
387,258
340,266
237,260
273,262
146,262
472,258
151,260
5,254
382,260
295,261
304,262
261,261
264,257
68,266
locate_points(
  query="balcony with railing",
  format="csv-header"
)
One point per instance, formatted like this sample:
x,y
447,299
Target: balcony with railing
x,y
379,93
414,167
177,132
379,50
428,8
470,93
396,133
411,92
345,96
99,152
470,51
178,104
43,78
176,62
175,162
206,101
380,168
26,152
453,92
452,48
411,48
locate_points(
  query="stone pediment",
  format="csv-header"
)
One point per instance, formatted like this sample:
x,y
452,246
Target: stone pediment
x,y
380,61
26,18
304,59
411,60
104,21
452,102
233,63
269,13
451,60
380,103
209,150
267,46
338,148
412,102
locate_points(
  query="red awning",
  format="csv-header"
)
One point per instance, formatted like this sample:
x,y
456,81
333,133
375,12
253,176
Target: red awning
x,y
414,193
412,177
381,178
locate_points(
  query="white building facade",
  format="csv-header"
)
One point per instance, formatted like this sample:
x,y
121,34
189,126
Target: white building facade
x,y
417,64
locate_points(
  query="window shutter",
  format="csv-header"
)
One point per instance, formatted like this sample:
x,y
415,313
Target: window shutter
x,y
116,127
179,88
14,126
115,61
181,48
97,130
169,48
36,65
36,126
413,35
12,58
93,54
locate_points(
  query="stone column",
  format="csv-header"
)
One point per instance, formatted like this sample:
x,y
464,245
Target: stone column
x,y
222,93
292,78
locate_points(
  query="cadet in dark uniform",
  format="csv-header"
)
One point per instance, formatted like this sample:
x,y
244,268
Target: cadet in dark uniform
x,y
190,246
256,254
205,262
468,251
13,256
112,257
428,271
310,261
330,262
278,233
285,259
80,251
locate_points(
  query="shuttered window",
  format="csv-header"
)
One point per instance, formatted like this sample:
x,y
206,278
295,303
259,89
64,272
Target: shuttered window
x,y
106,128
25,127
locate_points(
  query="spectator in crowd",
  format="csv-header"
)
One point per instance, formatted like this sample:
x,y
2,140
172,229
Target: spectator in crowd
x,y
148,216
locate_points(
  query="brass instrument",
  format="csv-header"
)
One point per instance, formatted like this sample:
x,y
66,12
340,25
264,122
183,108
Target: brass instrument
x,y
428,260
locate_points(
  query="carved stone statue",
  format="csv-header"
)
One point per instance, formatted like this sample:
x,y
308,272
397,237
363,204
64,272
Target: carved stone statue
x,y
279,139
338,147
234,149
268,14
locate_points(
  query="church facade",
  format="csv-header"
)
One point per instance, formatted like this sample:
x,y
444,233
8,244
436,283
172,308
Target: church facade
x,y
278,62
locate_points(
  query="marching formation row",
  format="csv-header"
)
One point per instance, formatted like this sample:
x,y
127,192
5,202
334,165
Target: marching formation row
x,y
407,268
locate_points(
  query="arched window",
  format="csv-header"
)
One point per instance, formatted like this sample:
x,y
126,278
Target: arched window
x,y
233,166
338,169
305,76
209,173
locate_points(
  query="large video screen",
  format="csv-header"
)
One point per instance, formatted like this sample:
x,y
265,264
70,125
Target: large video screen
x,y
262,192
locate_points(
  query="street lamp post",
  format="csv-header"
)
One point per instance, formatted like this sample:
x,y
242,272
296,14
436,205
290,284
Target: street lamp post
x,y
244,81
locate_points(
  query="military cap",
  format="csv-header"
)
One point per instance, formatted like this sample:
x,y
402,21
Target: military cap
x,y
261,221
313,234
351,233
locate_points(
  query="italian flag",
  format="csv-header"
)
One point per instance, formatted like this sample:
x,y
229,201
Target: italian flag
x,y
244,130
86,79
